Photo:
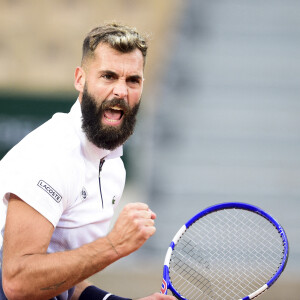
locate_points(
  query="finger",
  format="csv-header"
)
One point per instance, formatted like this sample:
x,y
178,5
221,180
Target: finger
x,y
153,215
168,297
137,206
147,222
149,214
158,296
150,230
146,214
140,206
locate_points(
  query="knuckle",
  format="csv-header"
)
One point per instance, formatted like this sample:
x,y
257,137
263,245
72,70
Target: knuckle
x,y
128,206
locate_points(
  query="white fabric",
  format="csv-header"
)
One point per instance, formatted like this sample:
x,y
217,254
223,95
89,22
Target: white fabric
x,y
55,170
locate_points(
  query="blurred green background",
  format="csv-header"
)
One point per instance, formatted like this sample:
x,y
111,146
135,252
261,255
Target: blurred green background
x,y
40,48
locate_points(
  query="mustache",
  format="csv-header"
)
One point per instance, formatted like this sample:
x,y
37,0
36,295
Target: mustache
x,y
121,103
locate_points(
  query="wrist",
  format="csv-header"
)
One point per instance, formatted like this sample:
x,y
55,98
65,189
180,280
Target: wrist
x,y
94,293
112,245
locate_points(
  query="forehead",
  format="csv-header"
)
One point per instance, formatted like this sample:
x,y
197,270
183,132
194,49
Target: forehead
x,y
107,58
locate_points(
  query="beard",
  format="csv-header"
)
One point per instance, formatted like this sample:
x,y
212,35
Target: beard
x,y
102,135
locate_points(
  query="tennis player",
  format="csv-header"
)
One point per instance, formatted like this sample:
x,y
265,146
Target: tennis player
x,y
61,183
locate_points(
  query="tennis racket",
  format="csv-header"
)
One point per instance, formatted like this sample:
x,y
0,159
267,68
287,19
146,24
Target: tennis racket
x,y
229,251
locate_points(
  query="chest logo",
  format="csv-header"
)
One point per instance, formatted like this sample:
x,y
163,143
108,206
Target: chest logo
x,y
51,191
83,194
113,201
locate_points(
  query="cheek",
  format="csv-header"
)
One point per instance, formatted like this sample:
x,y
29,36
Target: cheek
x,y
101,92
135,97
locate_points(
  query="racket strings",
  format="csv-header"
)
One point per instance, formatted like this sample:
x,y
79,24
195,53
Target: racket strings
x,y
191,280
225,255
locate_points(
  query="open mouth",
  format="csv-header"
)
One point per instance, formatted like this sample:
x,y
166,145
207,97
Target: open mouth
x,y
113,114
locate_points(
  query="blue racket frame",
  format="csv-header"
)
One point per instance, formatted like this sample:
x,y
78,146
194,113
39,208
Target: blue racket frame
x,y
166,283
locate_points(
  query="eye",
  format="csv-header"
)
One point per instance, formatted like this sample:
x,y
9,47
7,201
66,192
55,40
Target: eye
x,y
107,76
134,80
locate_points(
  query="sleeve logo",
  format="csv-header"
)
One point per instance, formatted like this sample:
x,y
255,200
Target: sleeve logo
x,y
83,194
51,191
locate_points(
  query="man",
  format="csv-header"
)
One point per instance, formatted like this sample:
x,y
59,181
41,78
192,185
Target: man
x,y
60,184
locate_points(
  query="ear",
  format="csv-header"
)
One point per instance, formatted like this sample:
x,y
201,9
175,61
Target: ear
x,y
79,80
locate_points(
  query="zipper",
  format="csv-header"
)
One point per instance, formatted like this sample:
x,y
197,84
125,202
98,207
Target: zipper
x,y
102,160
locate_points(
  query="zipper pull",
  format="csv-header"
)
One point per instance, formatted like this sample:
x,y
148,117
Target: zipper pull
x,y
102,160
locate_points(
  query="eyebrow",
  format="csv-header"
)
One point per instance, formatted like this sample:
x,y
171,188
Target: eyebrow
x,y
108,72
114,74
135,77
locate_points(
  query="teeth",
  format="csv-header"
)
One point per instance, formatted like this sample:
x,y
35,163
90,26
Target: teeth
x,y
110,120
116,108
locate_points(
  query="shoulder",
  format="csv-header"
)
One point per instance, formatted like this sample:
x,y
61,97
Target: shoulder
x,y
48,161
52,141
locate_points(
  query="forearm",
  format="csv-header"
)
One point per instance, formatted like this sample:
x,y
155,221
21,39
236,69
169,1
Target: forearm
x,y
28,272
43,276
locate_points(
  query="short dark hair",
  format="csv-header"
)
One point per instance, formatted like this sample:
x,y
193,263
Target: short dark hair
x,y
120,37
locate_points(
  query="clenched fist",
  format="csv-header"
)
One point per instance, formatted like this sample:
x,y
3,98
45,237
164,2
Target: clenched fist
x,y
133,227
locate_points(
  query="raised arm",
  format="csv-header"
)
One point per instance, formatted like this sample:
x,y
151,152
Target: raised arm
x,y
29,272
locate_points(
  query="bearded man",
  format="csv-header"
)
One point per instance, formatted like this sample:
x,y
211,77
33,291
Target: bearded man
x,y
61,183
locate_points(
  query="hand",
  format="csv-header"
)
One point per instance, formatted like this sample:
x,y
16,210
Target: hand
x,y
133,227
158,296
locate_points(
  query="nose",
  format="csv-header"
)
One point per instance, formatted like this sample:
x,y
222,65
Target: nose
x,y
120,90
